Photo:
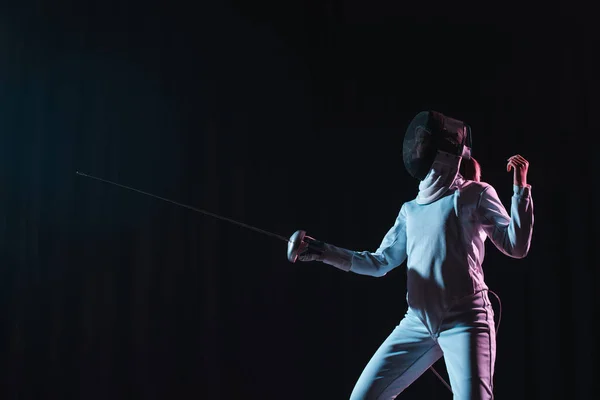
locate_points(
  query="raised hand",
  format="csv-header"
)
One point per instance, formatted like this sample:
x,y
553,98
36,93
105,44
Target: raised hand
x,y
520,166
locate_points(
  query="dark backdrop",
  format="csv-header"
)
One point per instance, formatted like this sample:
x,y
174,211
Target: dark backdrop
x,y
285,115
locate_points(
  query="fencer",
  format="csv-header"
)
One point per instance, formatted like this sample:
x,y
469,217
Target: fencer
x,y
440,235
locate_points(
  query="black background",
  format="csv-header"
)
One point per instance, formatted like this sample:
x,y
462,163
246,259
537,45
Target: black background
x,y
284,115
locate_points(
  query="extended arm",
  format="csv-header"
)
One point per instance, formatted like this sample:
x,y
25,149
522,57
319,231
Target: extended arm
x,y
390,254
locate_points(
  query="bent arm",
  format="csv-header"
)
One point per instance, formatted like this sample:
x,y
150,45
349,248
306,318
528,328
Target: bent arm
x,y
510,234
390,254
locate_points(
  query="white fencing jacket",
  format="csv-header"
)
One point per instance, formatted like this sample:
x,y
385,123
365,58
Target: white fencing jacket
x,y
443,244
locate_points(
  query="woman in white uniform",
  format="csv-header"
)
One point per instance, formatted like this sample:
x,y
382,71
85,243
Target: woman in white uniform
x,y
440,234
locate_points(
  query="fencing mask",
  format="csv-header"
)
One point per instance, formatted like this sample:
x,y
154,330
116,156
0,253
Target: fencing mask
x,y
433,147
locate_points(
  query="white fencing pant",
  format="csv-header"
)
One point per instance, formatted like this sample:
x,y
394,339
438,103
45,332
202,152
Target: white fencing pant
x,y
465,337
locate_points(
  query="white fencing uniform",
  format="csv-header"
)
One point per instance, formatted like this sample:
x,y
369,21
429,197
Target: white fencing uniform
x,y
449,312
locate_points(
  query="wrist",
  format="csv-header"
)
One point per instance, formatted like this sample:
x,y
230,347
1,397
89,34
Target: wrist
x,y
521,191
338,257
316,247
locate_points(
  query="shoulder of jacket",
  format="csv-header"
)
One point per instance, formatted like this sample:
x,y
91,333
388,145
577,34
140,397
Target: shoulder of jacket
x,y
407,205
474,187
472,192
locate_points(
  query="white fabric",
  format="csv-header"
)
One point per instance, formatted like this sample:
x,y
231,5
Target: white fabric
x,y
466,340
440,178
443,244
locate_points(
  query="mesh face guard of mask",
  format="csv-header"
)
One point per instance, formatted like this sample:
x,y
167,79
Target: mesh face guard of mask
x,y
428,133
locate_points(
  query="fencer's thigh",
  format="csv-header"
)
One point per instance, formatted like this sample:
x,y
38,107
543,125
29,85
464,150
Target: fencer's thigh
x,y
468,341
406,353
